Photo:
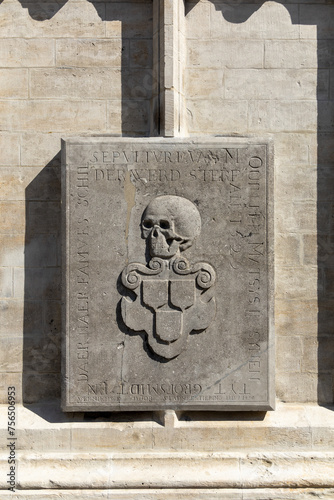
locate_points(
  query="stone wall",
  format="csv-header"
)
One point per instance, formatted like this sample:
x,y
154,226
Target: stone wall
x,y
67,68
266,68
247,68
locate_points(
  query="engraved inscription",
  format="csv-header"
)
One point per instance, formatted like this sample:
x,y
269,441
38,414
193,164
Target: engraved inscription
x,y
173,298
168,274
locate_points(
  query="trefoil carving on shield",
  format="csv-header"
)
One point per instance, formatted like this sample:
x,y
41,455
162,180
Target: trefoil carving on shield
x,y
172,296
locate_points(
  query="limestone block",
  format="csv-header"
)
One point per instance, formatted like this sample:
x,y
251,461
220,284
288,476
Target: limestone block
x,y
74,19
290,54
115,115
324,219
325,54
325,183
297,282
114,439
44,186
52,318
11,354
287,250
135,117
19,283
265,466
41,283
14,83
296,317
323,86
6,282
325,252
175,494
302,387
287,432
41,250
53,116
84,83
304,216
285,220
224,54
325,388
297,183
135,19
325,21
309,360
177,470
198,20
326,316
10,149
17,183
17,317
44,217
12,217
41,354
282,116
270,20
322,435
217,116
10,380
39,387
309,31
54,439
204,83
31,53
137,84
111,53
141,53
326,119
270,83
310,249
40,149
328,282
223,435
295,149
288,354
11,250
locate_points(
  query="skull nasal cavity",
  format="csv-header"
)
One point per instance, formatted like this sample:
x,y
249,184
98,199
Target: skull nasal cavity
x,y
155,232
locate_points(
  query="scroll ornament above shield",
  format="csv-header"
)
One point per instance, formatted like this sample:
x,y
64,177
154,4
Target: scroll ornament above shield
x,y
172,297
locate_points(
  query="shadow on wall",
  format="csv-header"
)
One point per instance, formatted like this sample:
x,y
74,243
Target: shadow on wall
x,y
42,292
323,345
42,320
136,20
42,312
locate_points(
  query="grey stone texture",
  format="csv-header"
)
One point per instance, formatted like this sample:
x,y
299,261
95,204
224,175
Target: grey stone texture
x,y
168,274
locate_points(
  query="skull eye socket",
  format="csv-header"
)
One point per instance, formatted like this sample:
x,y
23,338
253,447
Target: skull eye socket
x,y
164,224
147,224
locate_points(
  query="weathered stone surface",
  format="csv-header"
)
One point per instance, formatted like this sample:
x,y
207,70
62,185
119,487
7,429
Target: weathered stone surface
x,y
167,274
52,115
20,52
92,52
294,444
176,494
73,82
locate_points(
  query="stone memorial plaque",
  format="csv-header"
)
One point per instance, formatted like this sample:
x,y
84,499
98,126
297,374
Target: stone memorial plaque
x,y
168,274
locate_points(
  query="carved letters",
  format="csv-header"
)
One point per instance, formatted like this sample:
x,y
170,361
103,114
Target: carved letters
x,y
167,274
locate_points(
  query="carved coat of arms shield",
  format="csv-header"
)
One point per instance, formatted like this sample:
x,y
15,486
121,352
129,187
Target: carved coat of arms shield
x,y
173,297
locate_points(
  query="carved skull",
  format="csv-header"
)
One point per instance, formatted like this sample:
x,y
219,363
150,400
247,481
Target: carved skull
x,y
170,224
